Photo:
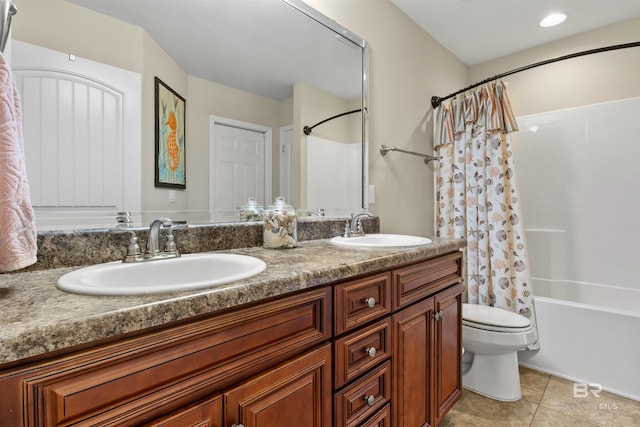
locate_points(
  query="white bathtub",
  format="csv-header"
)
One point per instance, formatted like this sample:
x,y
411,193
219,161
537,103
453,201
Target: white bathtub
x,y
588,333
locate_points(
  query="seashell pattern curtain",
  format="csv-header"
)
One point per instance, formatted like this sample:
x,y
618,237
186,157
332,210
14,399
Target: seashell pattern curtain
x,y
477,197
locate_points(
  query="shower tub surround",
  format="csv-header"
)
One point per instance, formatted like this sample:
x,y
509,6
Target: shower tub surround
x,y
580,191
588,334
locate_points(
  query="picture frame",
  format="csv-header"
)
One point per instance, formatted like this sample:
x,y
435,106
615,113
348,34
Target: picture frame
x,y
170,142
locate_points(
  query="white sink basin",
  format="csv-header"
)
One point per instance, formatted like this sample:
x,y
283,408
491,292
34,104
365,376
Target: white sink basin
x,y
380,241
193,271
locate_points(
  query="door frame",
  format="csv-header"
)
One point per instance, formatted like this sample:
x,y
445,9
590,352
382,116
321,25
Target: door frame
x,y
268,154
285,167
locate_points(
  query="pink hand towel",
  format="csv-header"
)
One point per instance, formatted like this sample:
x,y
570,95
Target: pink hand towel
x,y
18,244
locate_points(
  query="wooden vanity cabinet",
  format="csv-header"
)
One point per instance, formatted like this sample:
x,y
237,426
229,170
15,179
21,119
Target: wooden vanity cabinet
x,y
136,380
294,393
427,340
426,360
418,336
380,350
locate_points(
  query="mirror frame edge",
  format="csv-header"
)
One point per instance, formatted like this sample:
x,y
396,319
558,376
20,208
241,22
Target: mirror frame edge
x,y
362,43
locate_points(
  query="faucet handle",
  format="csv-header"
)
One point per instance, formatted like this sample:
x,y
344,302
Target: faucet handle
x,y
134,253
170,247
347,229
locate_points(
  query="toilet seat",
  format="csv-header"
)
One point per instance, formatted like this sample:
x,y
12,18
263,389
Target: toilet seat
x,y
493,319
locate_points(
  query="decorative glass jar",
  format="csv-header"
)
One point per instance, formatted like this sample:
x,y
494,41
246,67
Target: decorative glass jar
x,y
280,225
252,211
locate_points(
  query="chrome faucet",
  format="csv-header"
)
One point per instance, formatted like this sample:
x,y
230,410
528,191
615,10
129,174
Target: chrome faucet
x,y
153,251
316,212
153,242
124,219
353,228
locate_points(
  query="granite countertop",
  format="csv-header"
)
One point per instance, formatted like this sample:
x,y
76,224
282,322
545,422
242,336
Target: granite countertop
x,y
38,318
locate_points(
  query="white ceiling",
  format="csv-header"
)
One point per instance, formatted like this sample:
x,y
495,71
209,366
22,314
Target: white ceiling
x,y
260,46
481,30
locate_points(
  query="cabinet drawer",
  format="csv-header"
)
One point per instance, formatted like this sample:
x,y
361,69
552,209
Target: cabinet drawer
x,y
382,418
417,281
364,397
360,350
361,301
142,378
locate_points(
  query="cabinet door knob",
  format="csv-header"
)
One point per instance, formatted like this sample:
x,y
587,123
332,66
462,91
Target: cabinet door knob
x,y
371,351
436,316
371,302
370,400
237,425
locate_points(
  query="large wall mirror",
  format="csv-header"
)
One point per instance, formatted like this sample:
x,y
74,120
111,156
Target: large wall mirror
x,y
302,67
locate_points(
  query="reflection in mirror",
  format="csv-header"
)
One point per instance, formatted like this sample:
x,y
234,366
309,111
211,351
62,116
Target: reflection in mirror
x,y
267,66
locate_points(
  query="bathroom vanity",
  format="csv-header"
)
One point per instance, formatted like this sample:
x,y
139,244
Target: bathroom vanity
x,y
324,337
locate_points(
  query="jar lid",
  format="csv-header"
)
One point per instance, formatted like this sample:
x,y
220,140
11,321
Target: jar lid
x,y
280,203
251,203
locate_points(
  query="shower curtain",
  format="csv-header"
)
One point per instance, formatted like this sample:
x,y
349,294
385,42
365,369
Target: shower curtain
x,y
477,198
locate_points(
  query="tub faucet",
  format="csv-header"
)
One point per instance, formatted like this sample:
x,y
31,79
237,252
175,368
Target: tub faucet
x,y
354,228
153,242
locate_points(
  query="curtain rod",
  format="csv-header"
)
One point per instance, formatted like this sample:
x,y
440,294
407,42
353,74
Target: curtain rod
x,y
307,129
436,100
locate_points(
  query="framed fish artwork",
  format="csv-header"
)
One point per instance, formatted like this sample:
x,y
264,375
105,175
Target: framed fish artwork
x,y
170,137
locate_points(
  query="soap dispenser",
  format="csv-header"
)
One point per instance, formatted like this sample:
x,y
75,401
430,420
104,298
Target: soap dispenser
x,y
280,225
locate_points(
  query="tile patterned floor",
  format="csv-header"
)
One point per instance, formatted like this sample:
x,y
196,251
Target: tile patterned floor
x,y
547,401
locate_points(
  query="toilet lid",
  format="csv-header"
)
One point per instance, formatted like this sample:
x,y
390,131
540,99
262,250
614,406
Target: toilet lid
x,y
491,316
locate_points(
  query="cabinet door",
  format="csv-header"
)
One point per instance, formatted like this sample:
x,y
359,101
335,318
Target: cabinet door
x,y
448,349
297,393
205,414
413,355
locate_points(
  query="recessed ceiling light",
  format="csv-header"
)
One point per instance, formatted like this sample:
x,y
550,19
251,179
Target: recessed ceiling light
x,y
553,19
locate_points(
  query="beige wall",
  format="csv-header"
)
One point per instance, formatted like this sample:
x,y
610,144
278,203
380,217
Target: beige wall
x,y
407,67
586,80
65,27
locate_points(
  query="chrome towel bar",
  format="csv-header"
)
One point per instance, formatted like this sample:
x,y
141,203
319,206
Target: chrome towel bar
x,y
7,10
427,158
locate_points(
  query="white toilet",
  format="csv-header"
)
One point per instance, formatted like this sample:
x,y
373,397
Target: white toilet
x,y
491,338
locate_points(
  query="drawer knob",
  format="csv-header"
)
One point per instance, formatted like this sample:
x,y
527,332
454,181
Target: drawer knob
x,y
371,351
371,302
370,400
